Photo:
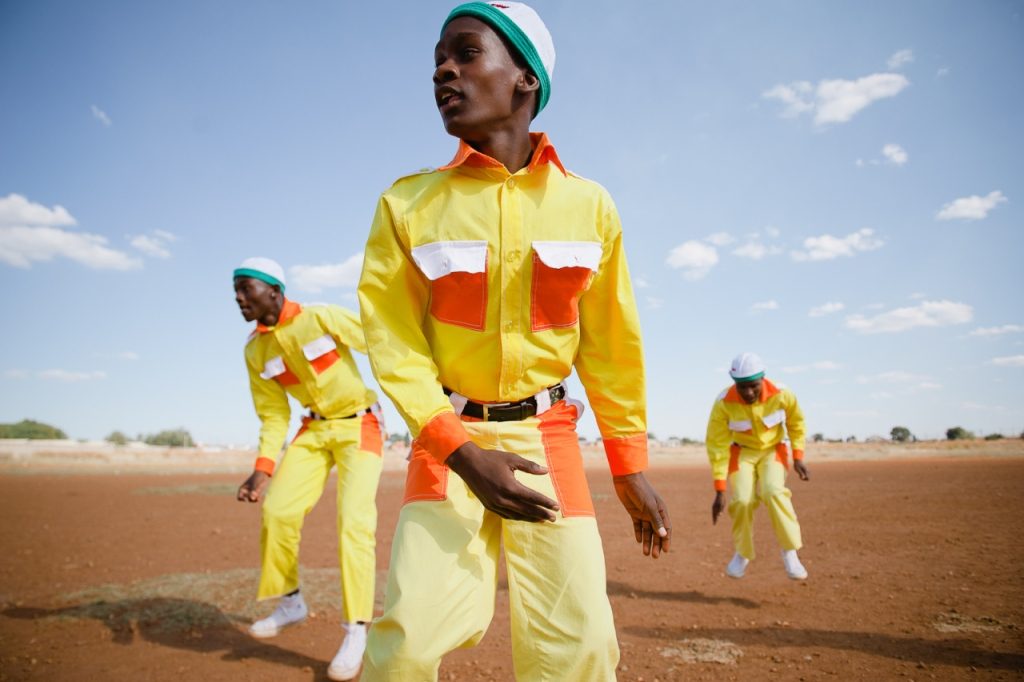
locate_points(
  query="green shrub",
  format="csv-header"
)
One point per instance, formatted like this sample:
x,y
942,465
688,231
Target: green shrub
x,y
959,433
27,428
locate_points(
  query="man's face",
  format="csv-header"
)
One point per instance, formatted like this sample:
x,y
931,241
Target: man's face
x,y
475,80
750,391
255,298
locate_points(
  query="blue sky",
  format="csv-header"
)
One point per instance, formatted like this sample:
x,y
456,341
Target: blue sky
x,y
836,186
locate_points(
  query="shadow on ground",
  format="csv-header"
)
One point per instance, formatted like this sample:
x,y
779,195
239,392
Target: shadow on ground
x,y
177,623
617,589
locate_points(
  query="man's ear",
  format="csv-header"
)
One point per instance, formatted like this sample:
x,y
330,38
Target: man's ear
x,y
528,82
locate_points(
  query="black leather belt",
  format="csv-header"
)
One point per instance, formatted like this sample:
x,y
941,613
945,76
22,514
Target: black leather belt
x,y
320,418
509,412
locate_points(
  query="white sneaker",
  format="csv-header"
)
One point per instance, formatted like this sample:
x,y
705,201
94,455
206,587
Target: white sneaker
x,y
794,569
291,610
737,567
349,659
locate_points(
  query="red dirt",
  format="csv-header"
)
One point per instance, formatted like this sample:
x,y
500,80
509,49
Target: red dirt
x,y
915,572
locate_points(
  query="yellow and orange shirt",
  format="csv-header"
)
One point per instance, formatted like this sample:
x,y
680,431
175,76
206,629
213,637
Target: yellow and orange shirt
x,y
306,355
734,425
495,285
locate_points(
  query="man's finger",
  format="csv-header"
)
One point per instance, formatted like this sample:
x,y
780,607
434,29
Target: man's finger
x,y
533,497
638,530
648,538
523,464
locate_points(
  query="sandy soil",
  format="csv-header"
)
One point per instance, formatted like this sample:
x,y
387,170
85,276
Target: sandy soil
x,y
915,573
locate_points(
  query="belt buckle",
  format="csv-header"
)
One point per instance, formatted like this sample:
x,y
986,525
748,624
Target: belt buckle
x,y
485,410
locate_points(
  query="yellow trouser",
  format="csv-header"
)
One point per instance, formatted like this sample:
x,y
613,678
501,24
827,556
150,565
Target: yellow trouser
x,y
354,446
763,469
444,565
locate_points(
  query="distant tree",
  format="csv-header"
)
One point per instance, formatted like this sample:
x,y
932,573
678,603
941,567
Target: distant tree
x,y
818,437
33,430
690,441
851,439
117,438
175,438
397,437
958,433
901,434
994,436
651,436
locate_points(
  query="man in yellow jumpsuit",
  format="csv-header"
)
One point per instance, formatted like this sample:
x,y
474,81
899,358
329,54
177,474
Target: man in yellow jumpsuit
x,y
305,353
746,443
485,282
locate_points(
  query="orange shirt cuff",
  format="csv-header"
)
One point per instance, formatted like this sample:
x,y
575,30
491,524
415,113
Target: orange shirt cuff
x,y
798,455
443,435
720,485
626,455
264,464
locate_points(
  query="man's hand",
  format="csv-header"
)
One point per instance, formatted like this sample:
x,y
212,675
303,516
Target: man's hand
x,y
651,524
252,489
801,470
488,473
717,506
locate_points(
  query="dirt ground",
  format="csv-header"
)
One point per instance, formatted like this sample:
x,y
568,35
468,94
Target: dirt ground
x,y
916,572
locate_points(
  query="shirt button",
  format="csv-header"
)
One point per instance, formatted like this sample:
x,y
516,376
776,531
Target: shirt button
x,y
511,183
511,256
510,326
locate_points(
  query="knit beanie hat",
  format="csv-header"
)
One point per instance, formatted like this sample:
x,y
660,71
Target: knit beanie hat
x,y
262,269
522,27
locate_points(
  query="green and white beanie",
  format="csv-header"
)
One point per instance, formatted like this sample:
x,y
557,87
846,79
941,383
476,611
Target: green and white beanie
x,y
263,269
746,367
523,28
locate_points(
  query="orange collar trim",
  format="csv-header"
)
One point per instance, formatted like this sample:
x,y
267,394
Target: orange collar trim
x,y
768,389
289,310
543,152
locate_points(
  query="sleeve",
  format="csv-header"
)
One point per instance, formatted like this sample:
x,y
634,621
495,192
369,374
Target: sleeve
x,y
272,408
393,298
718,441
610,360
795,426
347,328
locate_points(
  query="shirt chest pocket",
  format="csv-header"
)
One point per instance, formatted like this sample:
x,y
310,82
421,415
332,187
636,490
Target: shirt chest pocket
x,y
321,352
561,273
275,369
457,271
774,419
741,425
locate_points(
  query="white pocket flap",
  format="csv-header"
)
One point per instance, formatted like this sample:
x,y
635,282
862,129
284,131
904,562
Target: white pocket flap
x,y
318,347
774,419
569,254
741,426
437,259
274,367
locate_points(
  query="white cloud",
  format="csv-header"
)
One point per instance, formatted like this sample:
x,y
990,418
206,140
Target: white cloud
x,y
836,100
316,278
101,116
756,250
641,282
891,377
900,58
653,302
20,246
917,296
16,373
16,210
929,386
820,365
927,314
155,244
973,207
720,239
895,154
997,331
942,72
765,305
693,258
772,232
827,247
825,309
1008,361
70,376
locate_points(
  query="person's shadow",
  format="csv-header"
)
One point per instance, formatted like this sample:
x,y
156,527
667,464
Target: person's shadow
x,y
617,589
177,623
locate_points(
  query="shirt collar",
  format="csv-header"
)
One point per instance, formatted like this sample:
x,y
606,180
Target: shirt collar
x,y
543,152
768,389
289,310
